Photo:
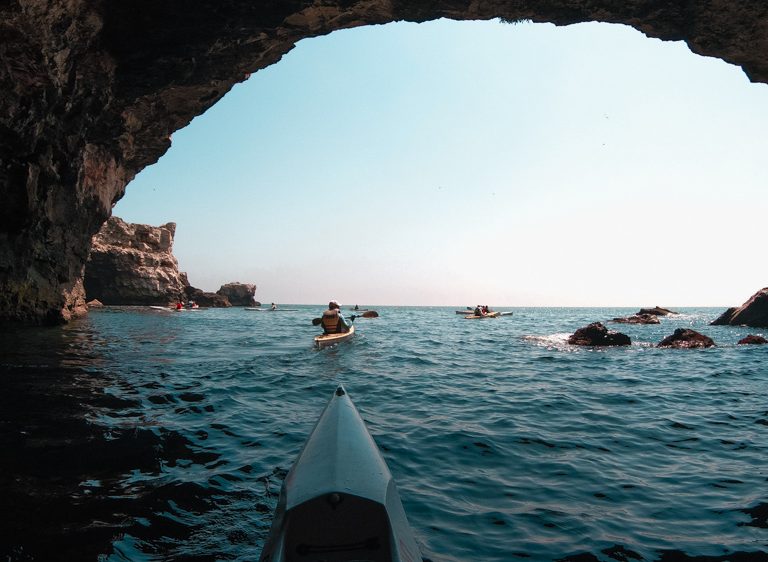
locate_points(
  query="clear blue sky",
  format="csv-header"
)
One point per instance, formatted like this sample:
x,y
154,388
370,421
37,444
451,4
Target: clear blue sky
x,y
465,162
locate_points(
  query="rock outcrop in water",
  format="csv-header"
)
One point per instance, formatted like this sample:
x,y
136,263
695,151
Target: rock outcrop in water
x,y
752,313
207,299
655,311
684,338
238,294
91,92
638,319
752,339
596,334
133,264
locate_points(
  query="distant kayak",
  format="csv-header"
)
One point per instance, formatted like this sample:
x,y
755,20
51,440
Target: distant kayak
x,y
257,309
327,340
489,315
174,309
339,501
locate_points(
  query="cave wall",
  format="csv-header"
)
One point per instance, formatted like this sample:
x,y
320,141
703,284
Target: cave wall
x,y
92,91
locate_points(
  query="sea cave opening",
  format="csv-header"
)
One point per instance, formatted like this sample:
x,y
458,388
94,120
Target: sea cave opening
x,y
442,162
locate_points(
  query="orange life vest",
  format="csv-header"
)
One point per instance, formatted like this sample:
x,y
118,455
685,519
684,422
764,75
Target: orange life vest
x,y
331,323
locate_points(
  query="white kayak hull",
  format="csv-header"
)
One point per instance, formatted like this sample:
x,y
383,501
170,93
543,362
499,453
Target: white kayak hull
x,y
339,503
327,340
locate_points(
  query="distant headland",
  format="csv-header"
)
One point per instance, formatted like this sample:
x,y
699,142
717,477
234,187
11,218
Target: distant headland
x,y
133,264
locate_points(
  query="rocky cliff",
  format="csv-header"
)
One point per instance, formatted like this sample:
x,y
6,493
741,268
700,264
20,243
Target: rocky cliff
x,y
133,264
91,92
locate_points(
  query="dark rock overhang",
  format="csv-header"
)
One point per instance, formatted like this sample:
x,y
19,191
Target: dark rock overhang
x,y
92,91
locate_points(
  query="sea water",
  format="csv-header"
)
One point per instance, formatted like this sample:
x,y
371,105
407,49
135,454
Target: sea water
x,y
138,434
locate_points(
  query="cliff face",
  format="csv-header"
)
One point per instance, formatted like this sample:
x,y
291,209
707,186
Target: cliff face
x,y
133,264
92,90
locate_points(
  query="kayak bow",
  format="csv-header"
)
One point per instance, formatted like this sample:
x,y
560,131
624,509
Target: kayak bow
x,y
339,502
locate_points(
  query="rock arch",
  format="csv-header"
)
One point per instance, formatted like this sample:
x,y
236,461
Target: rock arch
x,y
92,91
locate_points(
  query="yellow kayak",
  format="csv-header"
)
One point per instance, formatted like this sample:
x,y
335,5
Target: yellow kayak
x,y
489,315
327,340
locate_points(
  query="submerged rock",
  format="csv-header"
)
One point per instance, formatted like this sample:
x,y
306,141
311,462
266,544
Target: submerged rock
x,y
752,313
596,334
752,339
638,319
684,338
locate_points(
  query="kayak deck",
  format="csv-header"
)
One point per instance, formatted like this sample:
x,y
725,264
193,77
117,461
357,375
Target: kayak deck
x,y
339,503
327,340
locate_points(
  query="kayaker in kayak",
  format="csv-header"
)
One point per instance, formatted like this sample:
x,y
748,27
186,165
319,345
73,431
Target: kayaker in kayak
x,y
333,320
274,306
479,311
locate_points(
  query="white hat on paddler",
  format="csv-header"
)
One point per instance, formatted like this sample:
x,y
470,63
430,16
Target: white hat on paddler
x,y
334,304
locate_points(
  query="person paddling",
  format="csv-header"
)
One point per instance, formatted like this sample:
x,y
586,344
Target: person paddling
x,y
333,320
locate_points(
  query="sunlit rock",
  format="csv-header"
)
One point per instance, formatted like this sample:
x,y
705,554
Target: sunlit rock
x,y
133,264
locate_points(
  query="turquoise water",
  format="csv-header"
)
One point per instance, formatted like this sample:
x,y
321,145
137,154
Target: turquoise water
x,y
146,435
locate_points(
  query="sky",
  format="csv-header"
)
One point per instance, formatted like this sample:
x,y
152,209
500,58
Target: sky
x,y
456,163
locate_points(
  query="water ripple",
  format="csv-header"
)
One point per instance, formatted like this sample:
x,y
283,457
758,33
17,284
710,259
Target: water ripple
x,y
166,437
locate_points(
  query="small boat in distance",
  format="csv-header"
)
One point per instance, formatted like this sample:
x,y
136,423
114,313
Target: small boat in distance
x,y
339,501
327,340
488,315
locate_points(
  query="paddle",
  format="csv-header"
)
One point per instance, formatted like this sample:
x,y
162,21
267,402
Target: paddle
x,y
366,314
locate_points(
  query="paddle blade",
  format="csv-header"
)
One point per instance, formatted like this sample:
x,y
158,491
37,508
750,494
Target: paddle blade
x,y
370,314
317,321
